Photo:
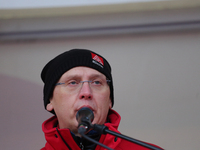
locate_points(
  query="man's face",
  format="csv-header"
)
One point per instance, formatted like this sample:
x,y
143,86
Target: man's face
x,y
68,98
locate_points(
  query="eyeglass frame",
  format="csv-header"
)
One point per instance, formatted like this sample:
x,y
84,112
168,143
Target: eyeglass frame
x,y
89,81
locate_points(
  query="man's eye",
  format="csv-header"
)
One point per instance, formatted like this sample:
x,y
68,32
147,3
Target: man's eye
x,y
96,82
73,83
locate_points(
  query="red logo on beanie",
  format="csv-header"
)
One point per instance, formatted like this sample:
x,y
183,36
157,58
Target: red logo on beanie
x,y
97,58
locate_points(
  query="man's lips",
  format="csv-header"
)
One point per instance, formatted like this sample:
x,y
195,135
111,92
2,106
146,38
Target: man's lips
x,y
86,106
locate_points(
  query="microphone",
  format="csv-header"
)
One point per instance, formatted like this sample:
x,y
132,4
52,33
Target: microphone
x,y
84,117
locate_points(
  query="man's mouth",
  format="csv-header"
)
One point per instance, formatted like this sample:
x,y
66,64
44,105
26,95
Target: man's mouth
x,y
87,106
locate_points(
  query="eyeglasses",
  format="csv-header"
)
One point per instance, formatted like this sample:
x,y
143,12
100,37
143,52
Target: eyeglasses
x,y
74,85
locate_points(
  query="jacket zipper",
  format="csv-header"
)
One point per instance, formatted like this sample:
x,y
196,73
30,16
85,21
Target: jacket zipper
x,y
81,146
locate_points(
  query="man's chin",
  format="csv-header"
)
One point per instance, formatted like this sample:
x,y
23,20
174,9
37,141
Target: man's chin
x,y
75,132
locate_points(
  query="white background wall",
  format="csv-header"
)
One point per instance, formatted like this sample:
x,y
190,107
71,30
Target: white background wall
x,y
9,4
156,82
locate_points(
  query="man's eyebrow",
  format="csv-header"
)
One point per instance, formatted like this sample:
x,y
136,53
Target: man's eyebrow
x,y
77,76
97,76
68,77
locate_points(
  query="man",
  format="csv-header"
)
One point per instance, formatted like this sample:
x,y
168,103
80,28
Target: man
x,y
75,79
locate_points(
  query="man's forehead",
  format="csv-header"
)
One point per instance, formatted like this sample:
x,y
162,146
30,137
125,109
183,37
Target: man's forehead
x,y
82,72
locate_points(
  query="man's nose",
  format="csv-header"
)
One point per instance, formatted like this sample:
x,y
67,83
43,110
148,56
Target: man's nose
x,y
85,91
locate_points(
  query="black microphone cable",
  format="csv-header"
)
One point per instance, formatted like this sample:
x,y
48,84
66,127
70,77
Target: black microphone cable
x,y
82,131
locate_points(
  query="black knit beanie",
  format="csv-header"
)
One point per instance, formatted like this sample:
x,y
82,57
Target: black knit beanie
x,y
54,69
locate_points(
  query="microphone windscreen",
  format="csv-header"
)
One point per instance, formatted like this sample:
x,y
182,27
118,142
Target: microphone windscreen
x,y
85,113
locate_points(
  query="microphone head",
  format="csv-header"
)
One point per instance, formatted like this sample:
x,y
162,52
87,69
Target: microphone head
x,y
84,113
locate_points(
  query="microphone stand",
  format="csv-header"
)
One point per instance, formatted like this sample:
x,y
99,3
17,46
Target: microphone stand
x,y
86,126
104,130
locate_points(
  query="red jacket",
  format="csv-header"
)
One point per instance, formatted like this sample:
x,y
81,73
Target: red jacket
x,y
55,142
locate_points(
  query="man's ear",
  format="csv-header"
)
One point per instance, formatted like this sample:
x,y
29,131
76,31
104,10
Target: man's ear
x,y
49,107
110,104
